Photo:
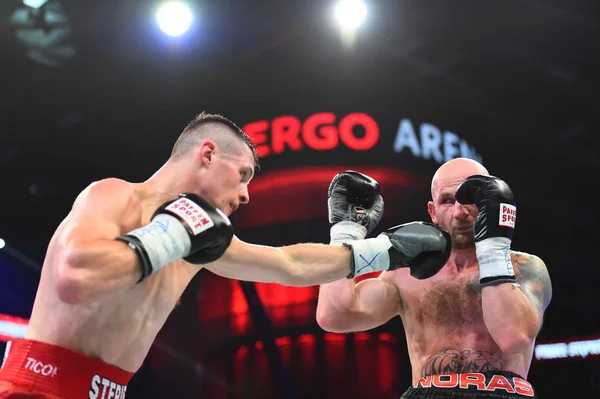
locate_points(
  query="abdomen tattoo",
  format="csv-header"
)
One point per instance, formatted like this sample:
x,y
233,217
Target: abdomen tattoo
x,y
453,361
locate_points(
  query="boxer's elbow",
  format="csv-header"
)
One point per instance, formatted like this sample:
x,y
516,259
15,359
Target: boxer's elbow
x,y
72,279
517,338
514,342
71,286
334,321
327,322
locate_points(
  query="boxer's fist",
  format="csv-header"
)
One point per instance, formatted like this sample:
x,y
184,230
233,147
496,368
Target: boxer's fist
x,y
209,229
354,197
493,228
187,228
494,199
422,246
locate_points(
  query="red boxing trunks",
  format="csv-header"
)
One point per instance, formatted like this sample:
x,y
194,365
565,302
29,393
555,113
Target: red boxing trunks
x,y
34,369
489,385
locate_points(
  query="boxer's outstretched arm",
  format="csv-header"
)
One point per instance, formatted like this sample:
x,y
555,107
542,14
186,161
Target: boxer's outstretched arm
x,y
344,306
89,263
513,313
295,265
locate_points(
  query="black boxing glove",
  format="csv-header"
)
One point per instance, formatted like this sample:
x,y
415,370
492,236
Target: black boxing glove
x,y
494,226
354,206
421,246
187,228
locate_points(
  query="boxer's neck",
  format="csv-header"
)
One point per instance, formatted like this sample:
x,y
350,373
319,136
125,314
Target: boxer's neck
x,y
172,179
462,259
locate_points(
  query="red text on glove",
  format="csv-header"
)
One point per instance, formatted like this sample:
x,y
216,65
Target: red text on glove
x,y
192,214
508,215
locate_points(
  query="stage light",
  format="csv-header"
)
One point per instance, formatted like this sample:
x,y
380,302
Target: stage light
x,y
2,243
174,18
43,28
34,3
350,14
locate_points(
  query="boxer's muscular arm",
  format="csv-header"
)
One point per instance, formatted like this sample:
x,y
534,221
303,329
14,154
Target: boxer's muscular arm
x,y
349,308
90,263
513,313
344,306
295,265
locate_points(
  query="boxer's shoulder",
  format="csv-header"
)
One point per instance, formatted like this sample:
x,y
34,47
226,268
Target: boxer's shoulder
x,y
521,257
110,187
532,274
527,263
111,199
110,190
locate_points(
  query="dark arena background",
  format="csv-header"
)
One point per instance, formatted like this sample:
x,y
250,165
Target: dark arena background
x,y
94,89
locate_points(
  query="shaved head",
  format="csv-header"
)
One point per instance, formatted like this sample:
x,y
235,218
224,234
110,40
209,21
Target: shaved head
x,y
456,219
453,172
230,139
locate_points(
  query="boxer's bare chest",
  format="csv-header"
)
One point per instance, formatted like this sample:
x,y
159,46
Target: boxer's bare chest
x,y
449,300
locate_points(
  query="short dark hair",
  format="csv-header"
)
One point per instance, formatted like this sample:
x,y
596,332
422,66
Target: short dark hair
x,y
193,134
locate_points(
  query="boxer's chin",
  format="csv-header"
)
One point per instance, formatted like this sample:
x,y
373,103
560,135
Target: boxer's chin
x,y
462,240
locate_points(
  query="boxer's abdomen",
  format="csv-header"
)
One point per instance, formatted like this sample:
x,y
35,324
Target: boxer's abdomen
x,y
444,324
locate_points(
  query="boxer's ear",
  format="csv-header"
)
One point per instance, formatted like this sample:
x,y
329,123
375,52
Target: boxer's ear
x,y
206,152
431,211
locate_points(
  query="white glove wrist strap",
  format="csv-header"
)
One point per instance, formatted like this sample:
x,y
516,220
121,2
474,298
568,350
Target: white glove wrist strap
x,y
343,232
493,255
165,240
371,255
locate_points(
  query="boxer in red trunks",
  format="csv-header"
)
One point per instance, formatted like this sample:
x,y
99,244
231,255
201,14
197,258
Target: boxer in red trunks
x,y
121,259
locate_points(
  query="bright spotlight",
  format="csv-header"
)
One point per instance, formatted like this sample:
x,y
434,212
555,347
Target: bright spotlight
x,y
2,243
350,13
34,3
174,18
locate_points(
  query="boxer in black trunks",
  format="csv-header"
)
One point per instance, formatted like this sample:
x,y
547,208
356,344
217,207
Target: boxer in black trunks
x,y
470,328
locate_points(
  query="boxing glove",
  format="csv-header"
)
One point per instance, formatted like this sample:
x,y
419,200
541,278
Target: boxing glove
x,y
186,228
423,247
354,206
494,225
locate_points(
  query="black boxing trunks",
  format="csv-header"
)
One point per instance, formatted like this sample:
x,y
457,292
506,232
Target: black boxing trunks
x,y
34,369
489,385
